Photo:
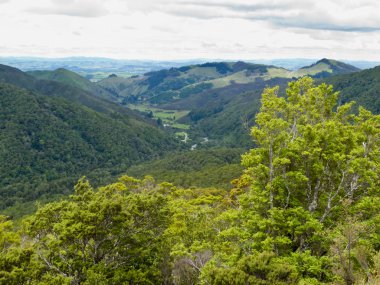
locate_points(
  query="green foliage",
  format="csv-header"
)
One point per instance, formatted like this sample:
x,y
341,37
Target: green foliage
x,y
201,168
47,143
16,263
129,232
362,87
72,79
102,235
310,155
311,164
305,211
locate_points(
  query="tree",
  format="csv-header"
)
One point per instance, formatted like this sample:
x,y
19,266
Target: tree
x,y
149,114
313,160
310,154
112,236
16,256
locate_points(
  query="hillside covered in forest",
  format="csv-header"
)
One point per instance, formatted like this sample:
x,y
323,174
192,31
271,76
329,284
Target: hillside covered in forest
x,y
52,134
305,210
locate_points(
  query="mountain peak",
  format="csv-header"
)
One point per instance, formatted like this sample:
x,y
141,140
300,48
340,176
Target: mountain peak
x,y
325,60
326,67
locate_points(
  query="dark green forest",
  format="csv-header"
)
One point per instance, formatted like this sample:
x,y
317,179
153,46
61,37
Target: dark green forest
x,y
47,143
303,207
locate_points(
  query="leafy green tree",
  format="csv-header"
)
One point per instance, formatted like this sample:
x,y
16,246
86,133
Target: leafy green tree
x,y
309,154
312,160
191,233
17,257
110,235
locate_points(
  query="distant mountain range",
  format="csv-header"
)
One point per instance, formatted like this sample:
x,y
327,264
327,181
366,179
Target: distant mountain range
x,y
95,68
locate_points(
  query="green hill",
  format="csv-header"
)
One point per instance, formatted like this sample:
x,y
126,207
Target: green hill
x,y
326,68
178,83
225,114
89,135
58,89
203,91
47,143
72,79
16,77
175,84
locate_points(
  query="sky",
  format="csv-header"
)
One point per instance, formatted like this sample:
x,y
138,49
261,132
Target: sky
x,y
191,29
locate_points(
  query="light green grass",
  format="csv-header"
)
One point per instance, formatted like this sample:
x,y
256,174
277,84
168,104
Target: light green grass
x,y
238,77
167,116
320,67
244,77
181,126
279,72
180,134
206,72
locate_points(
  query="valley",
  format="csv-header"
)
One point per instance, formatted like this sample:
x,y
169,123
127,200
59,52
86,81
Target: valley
x,y
118,123
212,99
176,164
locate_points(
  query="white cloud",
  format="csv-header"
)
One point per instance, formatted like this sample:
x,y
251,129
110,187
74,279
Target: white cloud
x,y
182,29
75,8
337,15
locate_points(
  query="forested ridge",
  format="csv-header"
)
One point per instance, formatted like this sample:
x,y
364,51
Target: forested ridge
x,y
47,143
305,210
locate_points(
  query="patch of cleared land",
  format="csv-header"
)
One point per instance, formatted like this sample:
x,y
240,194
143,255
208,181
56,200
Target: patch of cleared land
x,y
168,117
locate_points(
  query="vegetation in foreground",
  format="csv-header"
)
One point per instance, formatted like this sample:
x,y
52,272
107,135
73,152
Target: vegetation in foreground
x,y
305,211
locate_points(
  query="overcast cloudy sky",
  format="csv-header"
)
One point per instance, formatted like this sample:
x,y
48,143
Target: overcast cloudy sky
x,y
186,29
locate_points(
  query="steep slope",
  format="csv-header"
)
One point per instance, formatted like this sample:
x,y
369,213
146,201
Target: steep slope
x,y
72,79
16,77
118,85
51,88
362,87
226,115
48,143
